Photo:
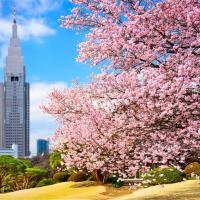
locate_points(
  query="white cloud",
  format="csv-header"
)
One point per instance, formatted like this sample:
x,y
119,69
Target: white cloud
x,y
35,7
42,124
31,28
5,28
38,95
34,28
28,29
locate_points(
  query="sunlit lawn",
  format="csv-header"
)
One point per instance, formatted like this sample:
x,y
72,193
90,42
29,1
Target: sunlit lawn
x,y
189,190
67,191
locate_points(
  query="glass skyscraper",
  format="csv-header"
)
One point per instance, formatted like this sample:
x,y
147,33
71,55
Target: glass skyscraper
x,y
42,147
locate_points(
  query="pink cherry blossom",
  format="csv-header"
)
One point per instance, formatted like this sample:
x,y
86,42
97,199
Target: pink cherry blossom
x,y
146,108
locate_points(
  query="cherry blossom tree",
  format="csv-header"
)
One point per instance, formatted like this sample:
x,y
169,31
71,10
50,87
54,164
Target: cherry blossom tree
x,y
120,125
148,109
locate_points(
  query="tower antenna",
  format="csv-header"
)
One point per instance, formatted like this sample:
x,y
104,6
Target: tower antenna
x,y
14,14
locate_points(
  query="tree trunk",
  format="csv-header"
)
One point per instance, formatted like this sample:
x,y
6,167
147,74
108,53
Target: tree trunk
x,y
105,177
99,176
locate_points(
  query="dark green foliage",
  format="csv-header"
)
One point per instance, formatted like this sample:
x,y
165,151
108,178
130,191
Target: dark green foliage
x,y
118,184
16,174
10,166
78,176
5,189
114,181
92,177
27,163
25,180
13,182
163,176
33,172
55,160
192,168
45,182
20,165
33,175
61,176
5,171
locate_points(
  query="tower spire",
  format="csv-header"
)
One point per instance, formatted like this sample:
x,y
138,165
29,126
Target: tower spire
x,y
14,27
14,14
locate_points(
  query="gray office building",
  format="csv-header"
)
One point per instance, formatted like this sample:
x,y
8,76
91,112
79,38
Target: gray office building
x,y
14,99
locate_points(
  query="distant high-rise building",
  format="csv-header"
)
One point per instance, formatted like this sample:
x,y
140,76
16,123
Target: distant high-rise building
x,y
42,147
14,99
10,152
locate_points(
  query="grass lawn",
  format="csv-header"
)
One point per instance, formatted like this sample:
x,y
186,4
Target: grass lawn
x,y
67,191
189,190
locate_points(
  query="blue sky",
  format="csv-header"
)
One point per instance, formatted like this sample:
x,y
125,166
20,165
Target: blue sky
x,y
49,54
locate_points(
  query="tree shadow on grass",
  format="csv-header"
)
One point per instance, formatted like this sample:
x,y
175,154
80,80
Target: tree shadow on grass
x,y
112,192
84,184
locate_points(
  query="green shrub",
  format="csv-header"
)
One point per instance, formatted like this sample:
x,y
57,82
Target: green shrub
x,y
91,177
35,171
55,160
61,176
45,182
78,176
114,181
20,165
192,168
163,176
6,189
118,184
